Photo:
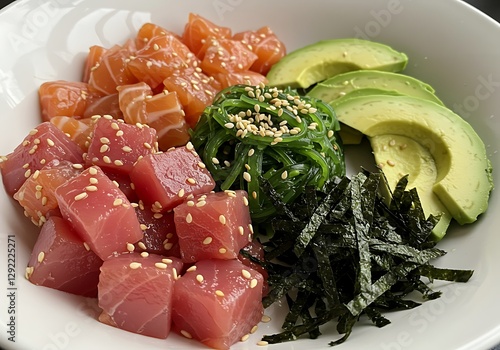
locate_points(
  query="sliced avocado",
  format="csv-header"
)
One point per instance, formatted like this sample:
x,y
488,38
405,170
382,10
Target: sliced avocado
x,y
316,62
464,181
360,82
398,156
349,135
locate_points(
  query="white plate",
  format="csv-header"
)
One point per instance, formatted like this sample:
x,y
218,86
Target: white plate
x,y
450,45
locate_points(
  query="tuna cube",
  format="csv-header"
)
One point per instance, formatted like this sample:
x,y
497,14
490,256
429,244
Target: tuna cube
x,y
166,179
99,211
135,293
37,194
116,146
43,144
160,236
217,302
62,261
213,225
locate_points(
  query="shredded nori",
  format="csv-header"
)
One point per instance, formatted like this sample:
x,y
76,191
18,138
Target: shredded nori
x,y
340,253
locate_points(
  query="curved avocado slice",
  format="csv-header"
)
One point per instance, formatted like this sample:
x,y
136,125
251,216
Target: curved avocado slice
x,y
316,62
360,82
397,156
463,182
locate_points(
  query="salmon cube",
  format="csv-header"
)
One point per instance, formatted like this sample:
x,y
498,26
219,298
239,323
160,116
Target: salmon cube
x,y
166,179
135,293
43,144
217,302
213,226
99,211
62,261
116,146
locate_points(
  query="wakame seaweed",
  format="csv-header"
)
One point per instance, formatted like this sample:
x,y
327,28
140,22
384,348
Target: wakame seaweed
x,y
342,252
253,132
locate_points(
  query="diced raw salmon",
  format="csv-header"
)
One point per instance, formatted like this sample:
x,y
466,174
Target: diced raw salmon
x,y
198,30
99,211
165,179
159,58
60,260
105,105
217,302
226,55
65,98
149,31
265,44
213,226
244,77
162,112
135,293
112,71
78,130
93,59
195,89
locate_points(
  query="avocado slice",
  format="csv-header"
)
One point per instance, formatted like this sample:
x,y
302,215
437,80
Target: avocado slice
x,y
316,62
349,135
365,82
463,182
362,82
397,156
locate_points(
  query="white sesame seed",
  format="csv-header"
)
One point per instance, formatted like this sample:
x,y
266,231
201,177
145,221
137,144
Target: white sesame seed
x,y
161,266
246,274
186,334
253,283
81,196
207,240
41,256
144,254
219,293
117,202
199,278
130,247
247,176
135,265
222,219
189,218
265,319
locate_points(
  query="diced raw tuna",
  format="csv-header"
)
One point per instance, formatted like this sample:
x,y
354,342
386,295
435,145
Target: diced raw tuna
x,y
213,225
37,194
159,232
116,145
255,250
99,211
135,293
166,179
123,182
60,260
217,302
43,144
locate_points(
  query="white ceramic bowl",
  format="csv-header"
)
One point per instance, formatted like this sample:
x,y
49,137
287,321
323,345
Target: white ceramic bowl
x,y
450,45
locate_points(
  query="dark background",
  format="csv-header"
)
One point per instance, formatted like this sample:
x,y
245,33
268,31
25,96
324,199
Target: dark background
x,y
490,7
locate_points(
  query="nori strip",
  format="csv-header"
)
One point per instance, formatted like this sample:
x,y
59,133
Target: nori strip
x,y
341,252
